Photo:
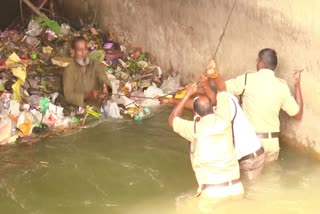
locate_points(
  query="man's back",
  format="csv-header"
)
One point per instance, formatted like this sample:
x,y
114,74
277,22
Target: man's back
x,y
263,98
212,152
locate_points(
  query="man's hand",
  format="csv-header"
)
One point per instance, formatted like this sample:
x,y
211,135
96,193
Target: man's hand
x,y
191,90
212,70
163,100
204,80
297,74
104,91
92,94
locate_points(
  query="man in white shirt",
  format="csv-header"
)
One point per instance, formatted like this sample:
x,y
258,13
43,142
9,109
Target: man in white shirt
x,y
249,151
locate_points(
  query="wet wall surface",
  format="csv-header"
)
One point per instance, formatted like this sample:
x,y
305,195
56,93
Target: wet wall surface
x,y
184,35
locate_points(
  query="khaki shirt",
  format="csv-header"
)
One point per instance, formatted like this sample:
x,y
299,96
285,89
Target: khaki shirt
x,y
77,83
212,152
263,98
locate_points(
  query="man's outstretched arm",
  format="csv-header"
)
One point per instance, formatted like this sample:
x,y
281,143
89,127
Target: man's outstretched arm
x,y
298,95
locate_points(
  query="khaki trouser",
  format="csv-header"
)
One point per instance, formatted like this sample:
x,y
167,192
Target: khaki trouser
x,y
271,148
210,199
252,167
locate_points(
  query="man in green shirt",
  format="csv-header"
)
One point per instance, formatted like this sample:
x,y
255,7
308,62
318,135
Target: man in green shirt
x,y
83,79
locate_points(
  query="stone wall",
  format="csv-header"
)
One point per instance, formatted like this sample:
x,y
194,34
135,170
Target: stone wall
x,y
184,34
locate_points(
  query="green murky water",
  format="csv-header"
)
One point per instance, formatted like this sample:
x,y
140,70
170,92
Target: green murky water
x,y
129,167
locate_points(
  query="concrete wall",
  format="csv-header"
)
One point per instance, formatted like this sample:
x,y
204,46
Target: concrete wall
x,y
184,34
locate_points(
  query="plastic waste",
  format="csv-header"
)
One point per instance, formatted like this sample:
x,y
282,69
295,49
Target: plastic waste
x,y
14,108
65,29
34,56
47,50
108,45
18,71
97,55
142,114
132,111
111,109
48,41
5,129
24,123
90,111
171,84
34,28
115,83
135,53
61,61
44,104
113,55
51,35
46,22
32,41
57,111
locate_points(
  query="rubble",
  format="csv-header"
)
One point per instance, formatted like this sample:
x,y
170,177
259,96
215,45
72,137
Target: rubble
x,y
31,67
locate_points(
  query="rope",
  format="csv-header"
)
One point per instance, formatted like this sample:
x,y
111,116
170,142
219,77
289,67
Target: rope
x,y
224,29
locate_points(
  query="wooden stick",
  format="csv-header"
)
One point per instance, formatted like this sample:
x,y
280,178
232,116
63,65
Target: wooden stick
x,y
142,76
85,118
34,8
42,4
136,96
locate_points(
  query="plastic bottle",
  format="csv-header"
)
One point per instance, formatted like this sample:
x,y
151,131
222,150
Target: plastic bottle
x,y
143,113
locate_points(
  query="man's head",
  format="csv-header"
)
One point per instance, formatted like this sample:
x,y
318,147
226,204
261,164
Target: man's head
x,y
202,106
80,51
267,58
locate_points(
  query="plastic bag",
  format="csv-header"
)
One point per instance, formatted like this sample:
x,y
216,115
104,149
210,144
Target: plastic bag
x,y
111,109
65,29
24,123
171,84
115,83
34,28
153,91
5,129
142,114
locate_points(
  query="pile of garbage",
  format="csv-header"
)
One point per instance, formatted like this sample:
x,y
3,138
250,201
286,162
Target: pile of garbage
x,y
32,62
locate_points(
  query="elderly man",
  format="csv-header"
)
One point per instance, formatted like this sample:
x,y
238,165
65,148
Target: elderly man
x,y
83,79
212,152
263,96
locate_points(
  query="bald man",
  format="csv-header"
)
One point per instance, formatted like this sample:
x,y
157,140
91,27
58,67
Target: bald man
x,y
212,153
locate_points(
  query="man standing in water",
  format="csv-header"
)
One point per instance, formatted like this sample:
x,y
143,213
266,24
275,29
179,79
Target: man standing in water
x,y
248,148
83,79
263,97
212,152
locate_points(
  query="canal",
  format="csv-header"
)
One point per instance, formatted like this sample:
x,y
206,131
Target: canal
x,y
125,166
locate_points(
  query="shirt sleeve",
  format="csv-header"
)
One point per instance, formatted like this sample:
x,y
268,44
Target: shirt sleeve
x,y
223,106
236,85
289,104
184,128
70,95
101,74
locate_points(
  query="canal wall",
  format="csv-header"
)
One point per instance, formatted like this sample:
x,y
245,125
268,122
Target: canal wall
x,y
184,35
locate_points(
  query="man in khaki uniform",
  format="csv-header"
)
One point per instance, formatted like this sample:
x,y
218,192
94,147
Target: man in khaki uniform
x,y
263,96
212,153
83,78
